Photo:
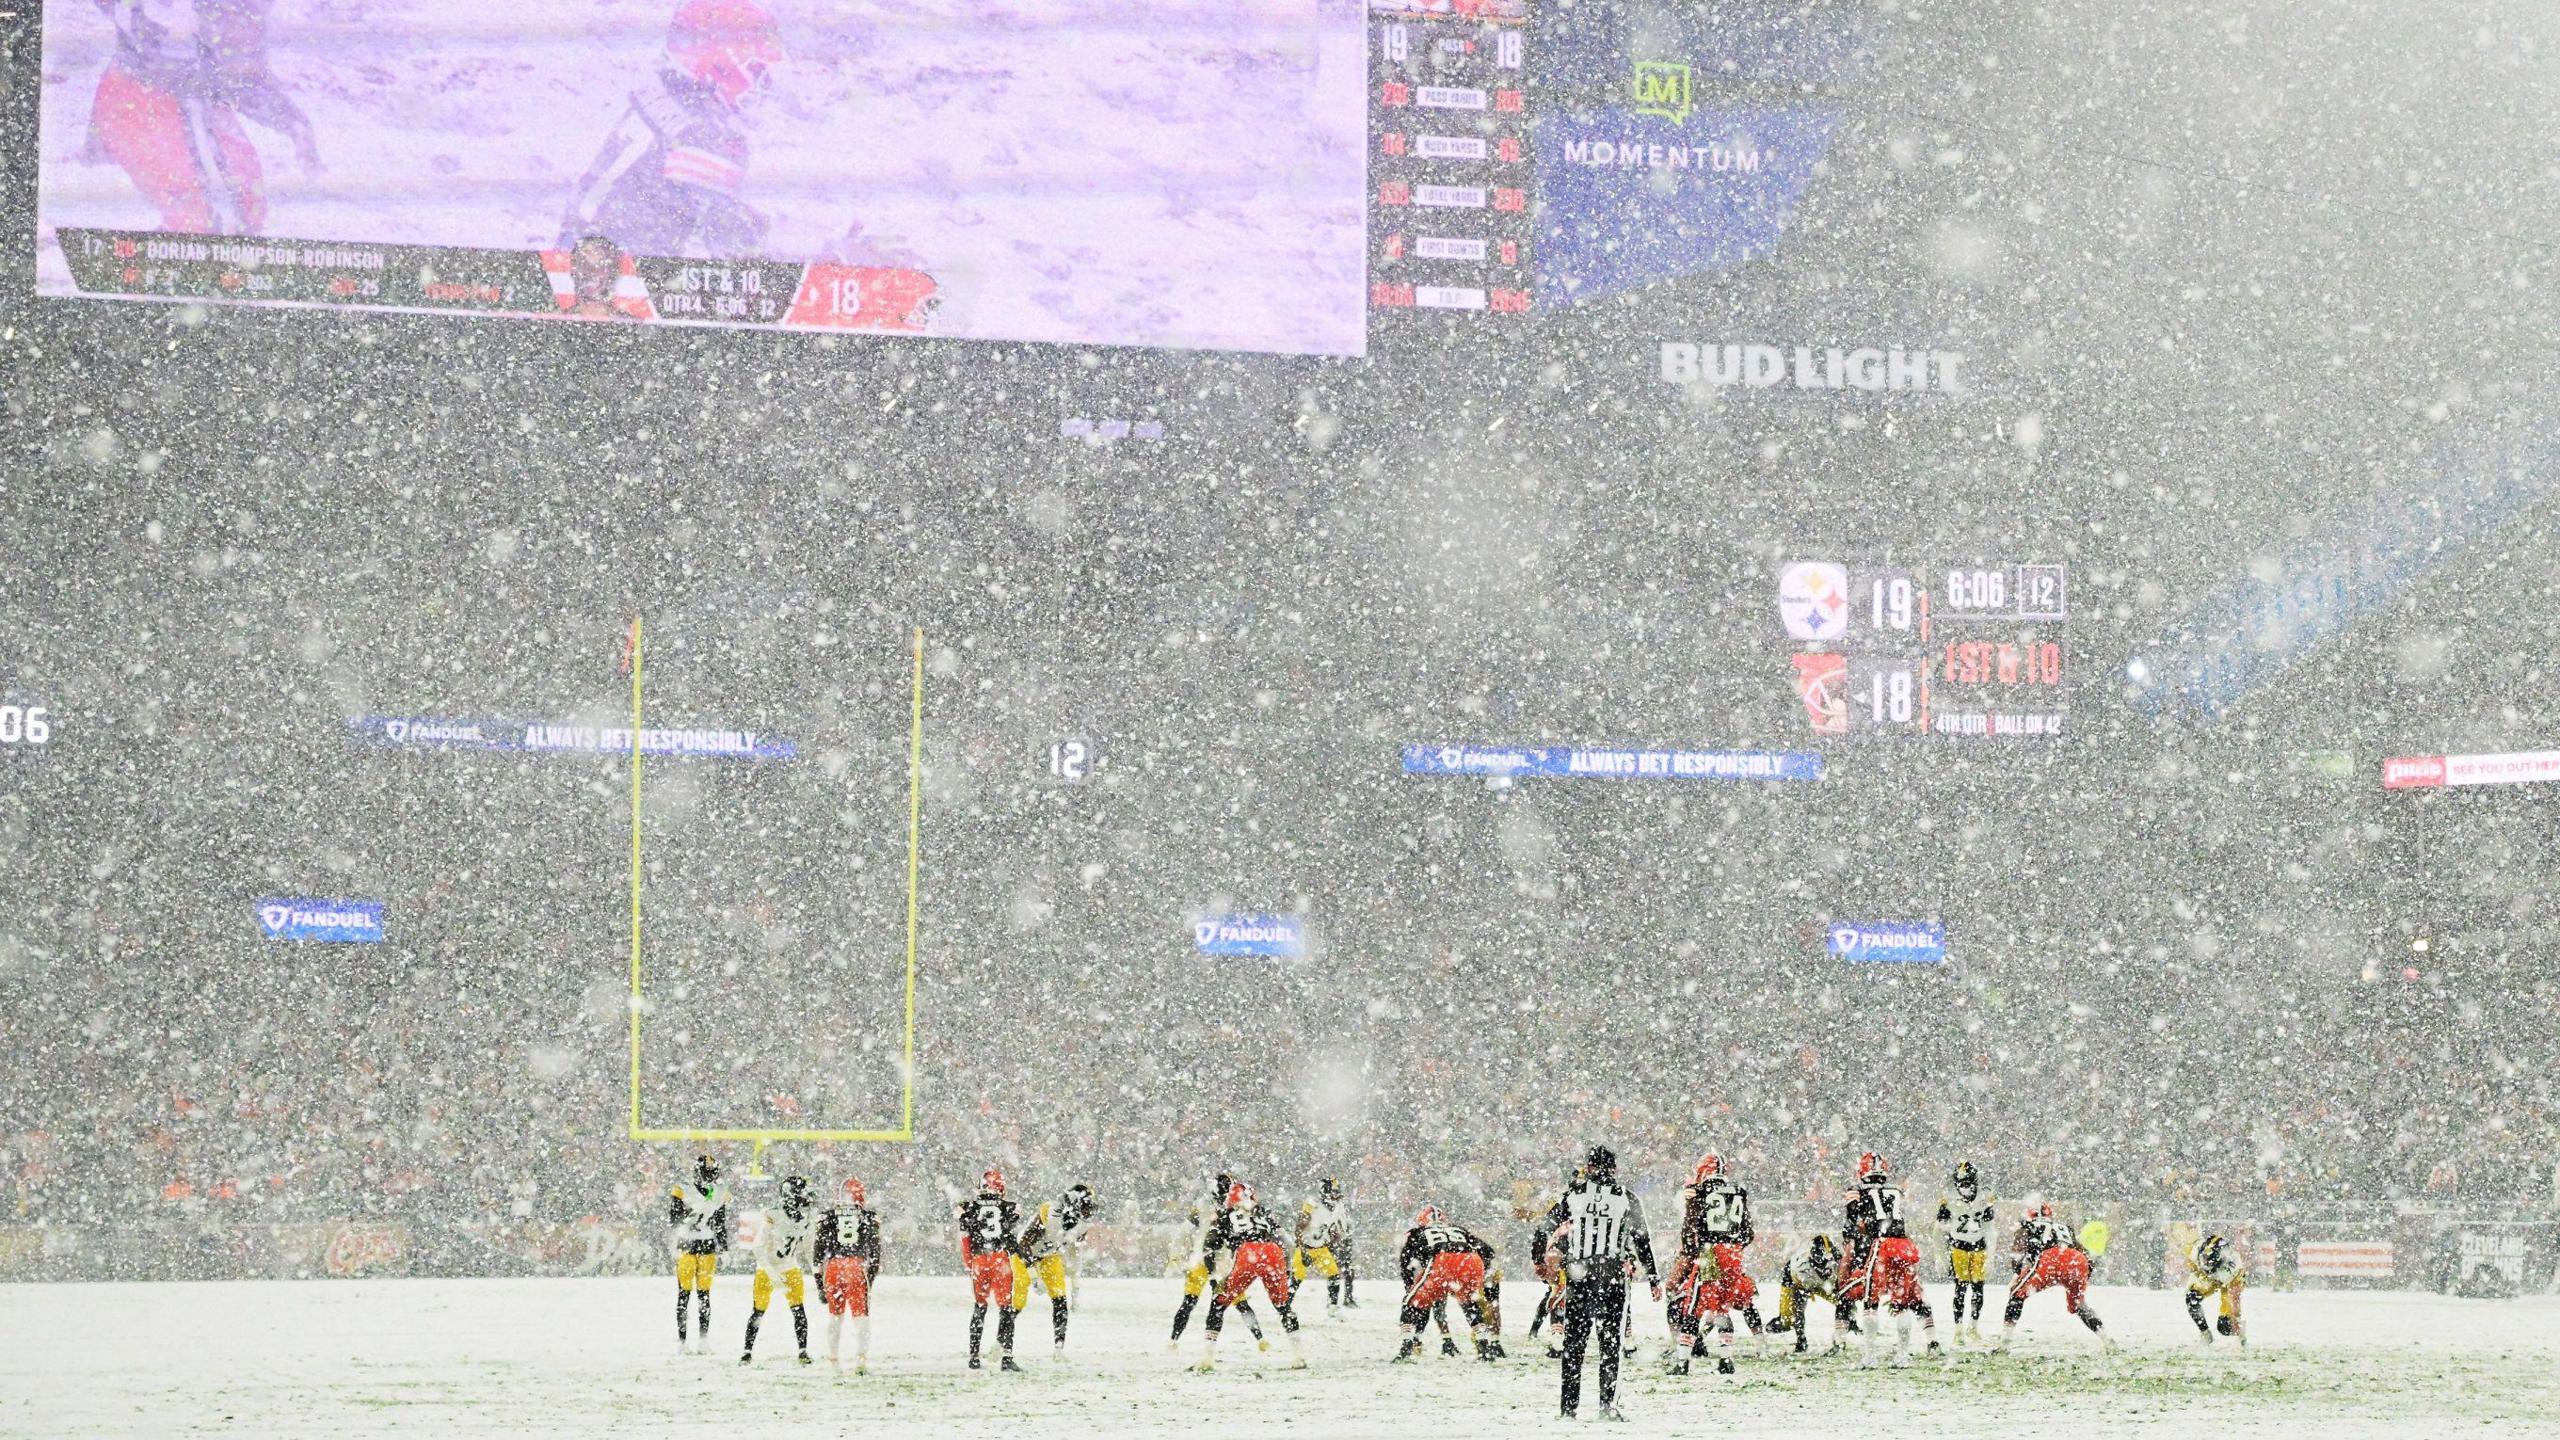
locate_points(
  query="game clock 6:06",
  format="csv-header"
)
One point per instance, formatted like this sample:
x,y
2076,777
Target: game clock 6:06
x,y
1957,649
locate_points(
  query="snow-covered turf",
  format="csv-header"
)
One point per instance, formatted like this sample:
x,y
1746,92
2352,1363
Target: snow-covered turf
x,y
595,1357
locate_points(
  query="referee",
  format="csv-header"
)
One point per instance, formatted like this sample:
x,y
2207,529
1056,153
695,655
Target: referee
x,y
1596,1227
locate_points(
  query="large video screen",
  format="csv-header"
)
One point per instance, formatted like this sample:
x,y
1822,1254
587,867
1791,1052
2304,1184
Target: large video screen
x,y
1171,173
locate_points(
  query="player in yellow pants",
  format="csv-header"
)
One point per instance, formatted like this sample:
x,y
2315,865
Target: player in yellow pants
x,y
2214,1268
698,1222
1056,1229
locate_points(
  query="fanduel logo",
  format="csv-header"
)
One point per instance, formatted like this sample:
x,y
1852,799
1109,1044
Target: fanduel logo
x,y
1808,367
275,917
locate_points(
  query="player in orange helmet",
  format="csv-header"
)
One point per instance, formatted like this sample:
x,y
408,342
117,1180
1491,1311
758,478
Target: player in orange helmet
x,y
2049,1258
990,1231
1884,1261
848,1257
1443,1262
1249,1238
1708,1280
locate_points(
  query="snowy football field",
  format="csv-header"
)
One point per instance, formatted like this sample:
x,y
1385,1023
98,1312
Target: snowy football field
x,y
595,1358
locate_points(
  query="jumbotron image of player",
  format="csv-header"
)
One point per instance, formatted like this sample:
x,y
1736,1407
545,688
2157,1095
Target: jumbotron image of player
x,y
1967,1217
989,1234
2049,1258
1884,1262
1248,1240
698,1223
1442,1262
169,105
668,177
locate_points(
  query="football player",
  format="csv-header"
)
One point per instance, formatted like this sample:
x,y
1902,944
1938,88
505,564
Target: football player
x,y
2048,1257
1442,1262
1812,1272
1322,1229
784,1245
1197,1279
698,1218
1057,1228
2214,1268
1708,1279
1884,1263
989,1235
848,1254
1967,1217
1248,1239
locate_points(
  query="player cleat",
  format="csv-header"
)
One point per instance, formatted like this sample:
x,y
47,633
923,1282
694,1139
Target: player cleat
x,y
1448,1348
1609,1415
1677,1367
1406,1351
1493,1351
1556,1352
1937,1349
974,1364
747,1359
1724,1364
1006,1365
805,1360
1263,1341
1207,1364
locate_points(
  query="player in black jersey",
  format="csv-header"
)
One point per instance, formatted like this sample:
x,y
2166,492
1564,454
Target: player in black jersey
x,y
1249,1239
1708,1278
1884,1262
1442,1262
848,1253
990,1230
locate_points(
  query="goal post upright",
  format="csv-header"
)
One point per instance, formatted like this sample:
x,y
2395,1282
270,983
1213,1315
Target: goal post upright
x,y
760,1137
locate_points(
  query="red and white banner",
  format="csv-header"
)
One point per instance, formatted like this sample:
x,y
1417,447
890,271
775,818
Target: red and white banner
x,y
2426,772
2345,1259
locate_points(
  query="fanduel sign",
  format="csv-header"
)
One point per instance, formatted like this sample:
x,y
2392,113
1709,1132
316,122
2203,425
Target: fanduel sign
x,y
1282,936
522,737
1588,762
1878,369
351,922
1889,942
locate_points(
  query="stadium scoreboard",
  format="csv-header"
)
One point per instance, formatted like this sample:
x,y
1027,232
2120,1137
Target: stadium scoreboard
x,y
1449,161
1958,649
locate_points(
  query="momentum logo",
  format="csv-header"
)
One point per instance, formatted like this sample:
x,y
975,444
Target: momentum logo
x,y
1662,88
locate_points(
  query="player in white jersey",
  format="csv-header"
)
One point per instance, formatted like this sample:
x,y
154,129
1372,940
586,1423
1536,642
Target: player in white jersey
x,y
1057,1231
2214,1268
1323,1235
1967,1217
786,1245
